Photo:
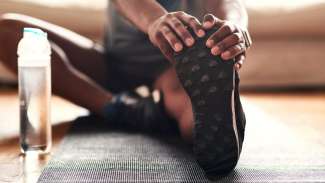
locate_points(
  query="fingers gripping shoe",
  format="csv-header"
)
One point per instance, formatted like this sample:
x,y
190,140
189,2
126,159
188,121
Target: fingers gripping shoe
x,y
210,83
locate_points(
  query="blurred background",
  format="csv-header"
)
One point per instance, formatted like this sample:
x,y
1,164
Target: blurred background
x,y
283,78
289,37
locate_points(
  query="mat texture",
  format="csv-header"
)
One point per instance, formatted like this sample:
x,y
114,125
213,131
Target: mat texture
x,y
92,153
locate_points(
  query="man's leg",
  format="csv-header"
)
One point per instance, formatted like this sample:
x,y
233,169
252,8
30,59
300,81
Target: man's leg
x,y
208,107
78,68
177,102
178,105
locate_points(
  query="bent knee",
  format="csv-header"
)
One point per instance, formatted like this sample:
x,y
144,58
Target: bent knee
x,y
11,20
10,34
16,22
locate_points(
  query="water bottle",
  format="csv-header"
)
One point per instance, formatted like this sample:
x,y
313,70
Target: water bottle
x,y
34,77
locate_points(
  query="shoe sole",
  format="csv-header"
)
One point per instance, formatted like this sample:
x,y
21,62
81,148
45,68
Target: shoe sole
x,y
209,82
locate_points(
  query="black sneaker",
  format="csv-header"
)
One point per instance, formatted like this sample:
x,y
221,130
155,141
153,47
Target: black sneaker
x,y
131,111
210,83
240,114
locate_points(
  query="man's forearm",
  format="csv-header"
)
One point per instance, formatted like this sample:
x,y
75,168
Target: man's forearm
x,y
140,12
232,10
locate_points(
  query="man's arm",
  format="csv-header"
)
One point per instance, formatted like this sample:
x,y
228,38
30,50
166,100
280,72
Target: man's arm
x,y
166,30
140,12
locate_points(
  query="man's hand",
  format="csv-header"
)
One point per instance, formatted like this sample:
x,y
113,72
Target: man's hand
x,y
170,34
228,41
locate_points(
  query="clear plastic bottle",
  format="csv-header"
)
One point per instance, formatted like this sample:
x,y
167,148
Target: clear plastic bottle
x,y
34,76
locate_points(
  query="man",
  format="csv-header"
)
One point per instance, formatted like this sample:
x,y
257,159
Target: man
x,y
144,40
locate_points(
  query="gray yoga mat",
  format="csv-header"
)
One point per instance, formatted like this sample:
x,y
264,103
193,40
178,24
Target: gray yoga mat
x,y
91,152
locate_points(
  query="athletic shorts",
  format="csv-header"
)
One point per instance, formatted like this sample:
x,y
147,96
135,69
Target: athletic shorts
x,y
124,75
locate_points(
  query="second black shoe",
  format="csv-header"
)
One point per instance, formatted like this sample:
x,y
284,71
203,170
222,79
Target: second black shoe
x,y
131,111
210,83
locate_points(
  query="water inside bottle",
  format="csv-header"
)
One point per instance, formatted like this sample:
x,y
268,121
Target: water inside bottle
x,y
35,127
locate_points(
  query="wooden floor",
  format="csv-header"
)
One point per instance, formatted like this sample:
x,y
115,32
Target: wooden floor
x,y
303,113
26,169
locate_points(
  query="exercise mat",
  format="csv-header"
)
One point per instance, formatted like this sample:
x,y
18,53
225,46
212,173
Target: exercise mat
x,y
91,152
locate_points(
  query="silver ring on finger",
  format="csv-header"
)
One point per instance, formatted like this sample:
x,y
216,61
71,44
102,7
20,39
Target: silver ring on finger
x,y
242,47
